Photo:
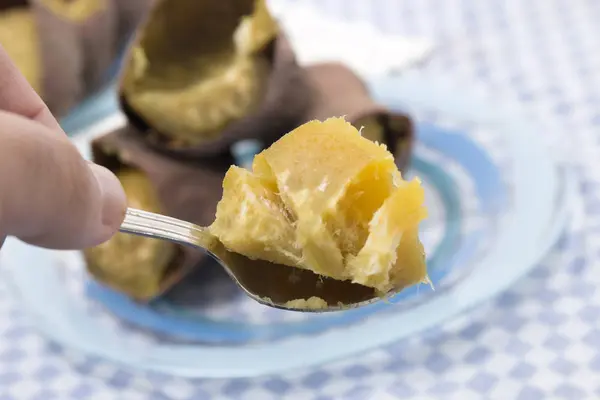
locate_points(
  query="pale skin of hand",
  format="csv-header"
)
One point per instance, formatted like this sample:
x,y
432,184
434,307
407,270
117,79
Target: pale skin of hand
x,y
49,195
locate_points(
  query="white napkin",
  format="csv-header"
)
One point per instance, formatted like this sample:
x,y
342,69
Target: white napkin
x,y
367,51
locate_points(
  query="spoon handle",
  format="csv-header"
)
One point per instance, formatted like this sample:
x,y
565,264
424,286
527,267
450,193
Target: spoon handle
x,y
157,226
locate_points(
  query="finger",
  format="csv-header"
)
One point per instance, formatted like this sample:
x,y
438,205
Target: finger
x,y
17,96
49,195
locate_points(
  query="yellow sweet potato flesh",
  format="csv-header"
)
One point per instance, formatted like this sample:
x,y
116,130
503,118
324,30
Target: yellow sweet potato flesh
x,y
326,199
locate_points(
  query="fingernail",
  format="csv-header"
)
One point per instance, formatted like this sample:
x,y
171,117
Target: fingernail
x,y
114,201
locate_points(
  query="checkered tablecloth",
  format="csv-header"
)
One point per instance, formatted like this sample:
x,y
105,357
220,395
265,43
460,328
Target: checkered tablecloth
x,y
541,339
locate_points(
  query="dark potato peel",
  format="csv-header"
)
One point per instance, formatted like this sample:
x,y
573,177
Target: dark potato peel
x,y
131,13
203,74
93,23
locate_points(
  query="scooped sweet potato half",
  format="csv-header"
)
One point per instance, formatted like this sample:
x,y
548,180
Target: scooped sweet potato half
x,y
197,66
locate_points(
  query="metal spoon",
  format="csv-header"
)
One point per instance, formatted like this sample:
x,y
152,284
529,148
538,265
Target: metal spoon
x,y
267,283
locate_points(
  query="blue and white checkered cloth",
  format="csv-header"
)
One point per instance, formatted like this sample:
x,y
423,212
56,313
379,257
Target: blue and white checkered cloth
x,y
541,339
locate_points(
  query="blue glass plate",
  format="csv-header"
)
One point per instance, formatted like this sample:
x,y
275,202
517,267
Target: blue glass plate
x,y
498,201
198,314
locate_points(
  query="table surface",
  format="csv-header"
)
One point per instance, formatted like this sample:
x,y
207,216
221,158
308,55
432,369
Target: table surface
x,y
541,339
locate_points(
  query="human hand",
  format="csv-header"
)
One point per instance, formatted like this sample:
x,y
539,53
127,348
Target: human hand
x,y
49,195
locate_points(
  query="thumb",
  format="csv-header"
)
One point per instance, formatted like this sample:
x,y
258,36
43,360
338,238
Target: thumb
x,y
49,195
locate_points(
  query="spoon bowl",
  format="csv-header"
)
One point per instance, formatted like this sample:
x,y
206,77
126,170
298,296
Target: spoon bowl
x,y
273,285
